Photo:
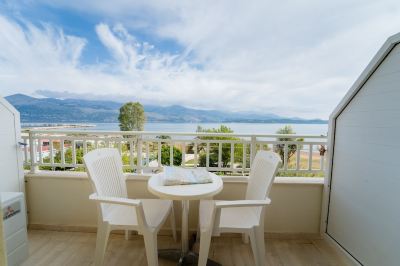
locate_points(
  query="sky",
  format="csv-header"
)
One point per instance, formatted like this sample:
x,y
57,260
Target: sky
x,y
290,58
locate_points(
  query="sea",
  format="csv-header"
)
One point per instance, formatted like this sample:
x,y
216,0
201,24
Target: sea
x,y
240,128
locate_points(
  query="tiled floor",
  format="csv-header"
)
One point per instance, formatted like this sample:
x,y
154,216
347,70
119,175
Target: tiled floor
x,y
71,248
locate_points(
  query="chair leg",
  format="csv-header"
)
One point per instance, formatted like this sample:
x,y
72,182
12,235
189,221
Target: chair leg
x,y
205,242
198,233
253,241
150,243
127,234
103,232
260,243
173,225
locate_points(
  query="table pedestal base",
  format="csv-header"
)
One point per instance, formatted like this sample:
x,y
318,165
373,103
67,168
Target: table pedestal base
x,y
187,258
184,193
190,258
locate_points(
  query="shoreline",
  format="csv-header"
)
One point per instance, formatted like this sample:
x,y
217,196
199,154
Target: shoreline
x,y
54,126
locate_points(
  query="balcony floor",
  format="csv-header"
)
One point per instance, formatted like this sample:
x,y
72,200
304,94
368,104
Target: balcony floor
x,y
73,248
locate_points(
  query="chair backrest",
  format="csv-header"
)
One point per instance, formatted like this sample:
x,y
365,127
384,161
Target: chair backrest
x,y
104,168
262,174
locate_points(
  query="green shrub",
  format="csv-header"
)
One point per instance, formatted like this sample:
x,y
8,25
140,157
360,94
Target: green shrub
x,y
165,155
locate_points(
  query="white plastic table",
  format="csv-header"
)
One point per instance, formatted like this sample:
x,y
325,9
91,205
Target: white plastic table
x,y
184,193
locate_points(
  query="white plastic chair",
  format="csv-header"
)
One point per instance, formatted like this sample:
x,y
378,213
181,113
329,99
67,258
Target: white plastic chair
x,y
116,211
241,216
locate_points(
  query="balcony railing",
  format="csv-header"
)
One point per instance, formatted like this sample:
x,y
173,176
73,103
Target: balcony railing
x,y
146,152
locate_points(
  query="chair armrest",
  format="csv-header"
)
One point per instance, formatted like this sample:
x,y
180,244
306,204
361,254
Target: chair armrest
x,y
242,203
114,200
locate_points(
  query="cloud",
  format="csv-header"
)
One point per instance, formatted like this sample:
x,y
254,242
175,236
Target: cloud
x,y
289,58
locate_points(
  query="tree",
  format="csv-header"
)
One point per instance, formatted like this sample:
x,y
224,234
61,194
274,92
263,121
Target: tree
x,y
131,117
292,148
214,149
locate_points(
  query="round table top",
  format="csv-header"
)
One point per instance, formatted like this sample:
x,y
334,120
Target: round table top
x,y
184,192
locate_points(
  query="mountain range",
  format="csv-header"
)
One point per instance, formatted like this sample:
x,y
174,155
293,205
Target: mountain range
x,y
52,110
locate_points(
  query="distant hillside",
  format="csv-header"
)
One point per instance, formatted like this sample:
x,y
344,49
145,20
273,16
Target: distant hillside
x,y
51,110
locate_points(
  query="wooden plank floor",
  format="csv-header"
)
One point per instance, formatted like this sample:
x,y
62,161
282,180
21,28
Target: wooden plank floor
x,y
72,248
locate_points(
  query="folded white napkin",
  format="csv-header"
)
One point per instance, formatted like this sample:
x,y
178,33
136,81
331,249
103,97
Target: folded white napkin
x,y
181,176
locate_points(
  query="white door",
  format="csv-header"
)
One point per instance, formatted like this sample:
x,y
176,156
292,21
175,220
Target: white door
x,y
364,206
11,173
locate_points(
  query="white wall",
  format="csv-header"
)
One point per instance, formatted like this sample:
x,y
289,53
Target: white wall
x,y
56,200
364,212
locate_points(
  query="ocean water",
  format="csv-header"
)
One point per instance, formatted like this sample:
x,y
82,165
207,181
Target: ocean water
x,y
241,128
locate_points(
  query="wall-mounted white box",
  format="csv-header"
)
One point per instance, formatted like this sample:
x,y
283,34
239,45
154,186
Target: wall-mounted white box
x,y
14,227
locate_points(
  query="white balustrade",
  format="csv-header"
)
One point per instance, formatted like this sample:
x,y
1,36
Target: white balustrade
x,y
146,152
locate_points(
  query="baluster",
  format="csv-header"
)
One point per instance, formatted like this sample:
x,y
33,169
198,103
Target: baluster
x,y
298,146
208,155
232,155
285,156
131,155
253,149
195,154
171,154
34,167
40,149
119,146
139,155
62,151
159,148
244,164
183,154
25,151
220,155
73,142
147,154
84,146
52,153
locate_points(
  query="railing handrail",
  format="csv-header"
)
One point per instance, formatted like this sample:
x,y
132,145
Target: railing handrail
x,y
160,133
